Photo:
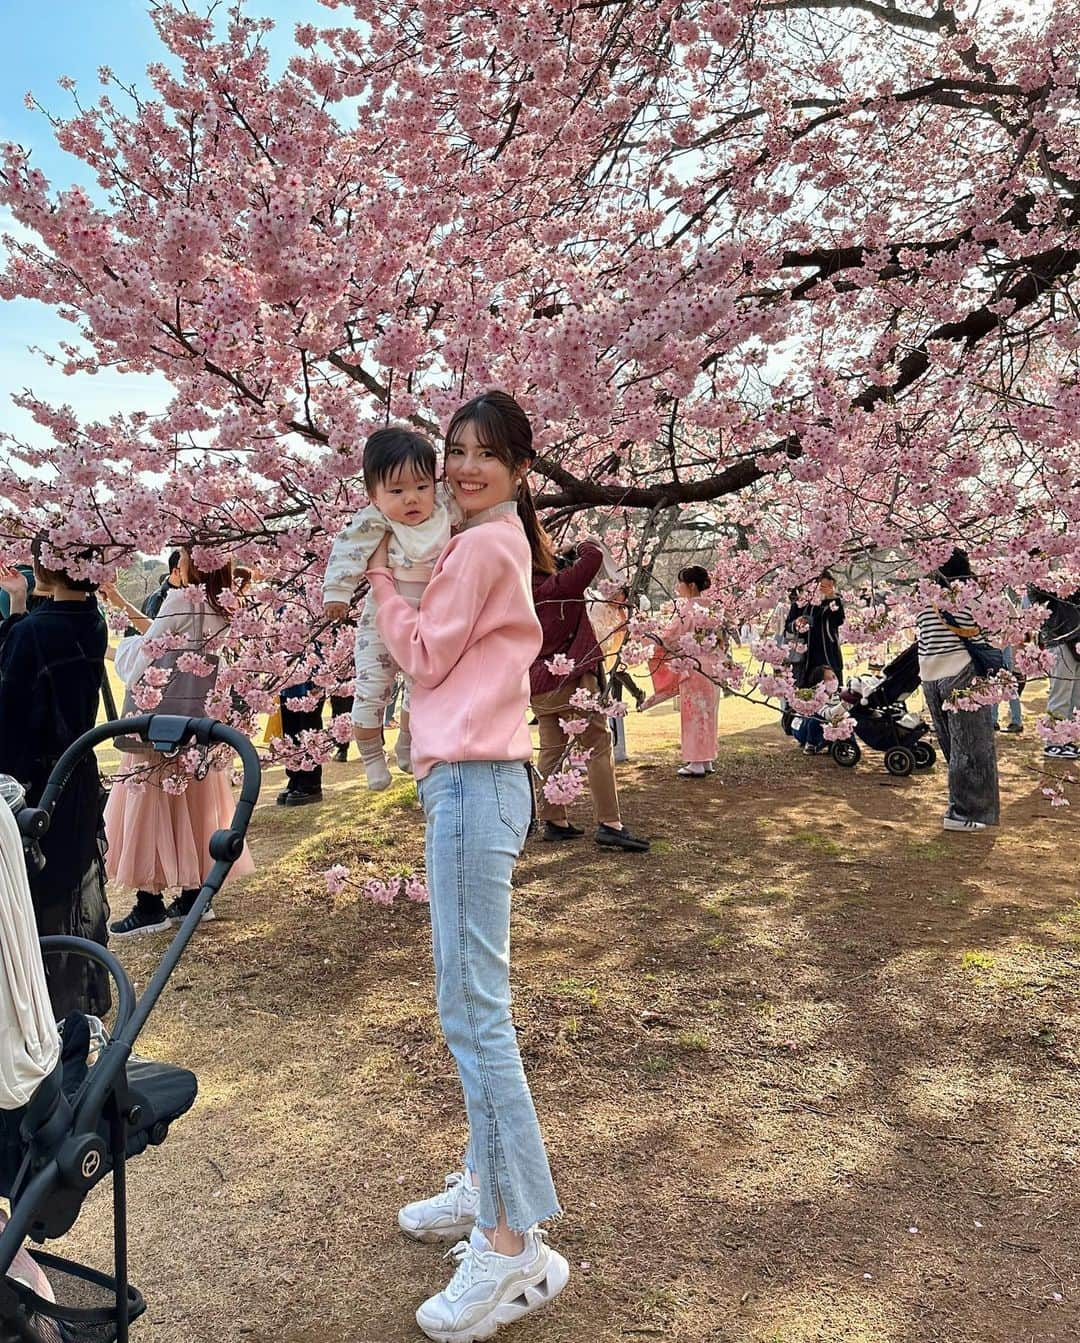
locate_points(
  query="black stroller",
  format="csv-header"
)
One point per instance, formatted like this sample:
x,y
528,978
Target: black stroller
x,y
83,1122
882,720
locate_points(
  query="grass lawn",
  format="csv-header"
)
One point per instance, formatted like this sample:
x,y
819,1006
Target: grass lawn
x,y
807,1071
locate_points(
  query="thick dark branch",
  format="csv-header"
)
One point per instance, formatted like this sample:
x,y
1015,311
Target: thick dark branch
x,y
1042,271
887,13
830,260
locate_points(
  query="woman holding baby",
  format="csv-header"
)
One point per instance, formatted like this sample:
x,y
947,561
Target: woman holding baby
x,y
466,641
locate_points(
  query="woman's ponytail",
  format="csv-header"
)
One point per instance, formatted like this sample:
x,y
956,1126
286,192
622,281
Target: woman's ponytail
x,y
543,552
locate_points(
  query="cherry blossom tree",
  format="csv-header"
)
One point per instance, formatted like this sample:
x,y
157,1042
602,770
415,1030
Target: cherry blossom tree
x,y
810,265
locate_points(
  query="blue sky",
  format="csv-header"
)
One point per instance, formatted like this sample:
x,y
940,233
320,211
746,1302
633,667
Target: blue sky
x,y
44,39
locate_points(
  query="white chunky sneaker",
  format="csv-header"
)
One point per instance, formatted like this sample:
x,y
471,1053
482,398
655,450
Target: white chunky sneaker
x,y
446,1216
489,1289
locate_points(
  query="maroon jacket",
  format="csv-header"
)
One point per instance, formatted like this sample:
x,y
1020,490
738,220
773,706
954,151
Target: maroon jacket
x,y
560,606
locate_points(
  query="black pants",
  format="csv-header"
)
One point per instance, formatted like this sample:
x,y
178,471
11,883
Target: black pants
x,y
293,722
619,681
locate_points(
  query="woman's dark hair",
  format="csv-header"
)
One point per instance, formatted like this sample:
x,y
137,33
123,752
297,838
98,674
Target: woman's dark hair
x,y
60,575
956,566
696,576
388,450
826,576
213,583
174,560
503,427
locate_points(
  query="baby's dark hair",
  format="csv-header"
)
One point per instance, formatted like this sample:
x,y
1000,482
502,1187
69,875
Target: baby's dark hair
x,y
388,450
695,575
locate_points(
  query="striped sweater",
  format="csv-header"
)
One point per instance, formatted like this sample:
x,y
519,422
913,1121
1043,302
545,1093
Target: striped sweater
x,y
941,652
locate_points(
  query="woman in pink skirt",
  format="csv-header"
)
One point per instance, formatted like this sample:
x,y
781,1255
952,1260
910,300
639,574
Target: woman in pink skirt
x,y
699,695
159,817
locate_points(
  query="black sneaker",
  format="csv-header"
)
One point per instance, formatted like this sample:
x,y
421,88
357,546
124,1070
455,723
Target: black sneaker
x,y
1014,729
178,910
141,920
294,797
610,838
341,755
552,831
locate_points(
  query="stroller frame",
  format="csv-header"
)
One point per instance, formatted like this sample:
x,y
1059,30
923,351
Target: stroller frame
x,y
66,1151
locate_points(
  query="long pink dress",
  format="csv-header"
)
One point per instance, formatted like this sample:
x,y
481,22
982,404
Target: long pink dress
x,y
699,696
159,837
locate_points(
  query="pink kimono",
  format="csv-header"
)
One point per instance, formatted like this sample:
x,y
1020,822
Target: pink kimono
x,y
699,697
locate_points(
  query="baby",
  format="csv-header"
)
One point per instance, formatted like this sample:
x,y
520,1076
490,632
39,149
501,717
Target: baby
x,y
399,475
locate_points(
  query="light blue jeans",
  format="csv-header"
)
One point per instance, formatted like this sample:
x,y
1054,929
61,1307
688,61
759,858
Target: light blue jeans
x,y
478,813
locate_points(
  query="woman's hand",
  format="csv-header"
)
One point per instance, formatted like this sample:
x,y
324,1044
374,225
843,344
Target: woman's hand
x,y
14,584
380,558
111,595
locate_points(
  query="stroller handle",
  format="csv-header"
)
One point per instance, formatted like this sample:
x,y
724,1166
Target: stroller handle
x,y
165,732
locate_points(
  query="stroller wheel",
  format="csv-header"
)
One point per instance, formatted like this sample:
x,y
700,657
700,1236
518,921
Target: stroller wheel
x,y
924,754
847,753
786,720
899,761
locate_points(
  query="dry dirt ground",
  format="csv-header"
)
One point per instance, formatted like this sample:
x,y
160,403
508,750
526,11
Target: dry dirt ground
x,y
807,1072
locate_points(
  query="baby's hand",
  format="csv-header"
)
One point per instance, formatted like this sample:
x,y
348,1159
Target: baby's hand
x,y
336,611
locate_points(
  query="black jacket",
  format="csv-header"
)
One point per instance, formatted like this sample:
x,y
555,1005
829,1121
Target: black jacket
x,y
1062,625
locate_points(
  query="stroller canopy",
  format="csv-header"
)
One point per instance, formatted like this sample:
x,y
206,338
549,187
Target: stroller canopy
x,y
29,1041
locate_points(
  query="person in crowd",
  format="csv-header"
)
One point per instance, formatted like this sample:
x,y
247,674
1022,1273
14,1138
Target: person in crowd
x,y
559,594
159,818
796,624
966,735
407,506
609,617
1015,725
152,603
699,694
389,718
467,649
52,663
300,713
27,572
825,616
1061,632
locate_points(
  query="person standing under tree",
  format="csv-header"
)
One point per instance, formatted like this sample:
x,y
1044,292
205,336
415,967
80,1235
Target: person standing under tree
x,y
825,616
160,818
467,648
698,692
966,735
559,594
52,663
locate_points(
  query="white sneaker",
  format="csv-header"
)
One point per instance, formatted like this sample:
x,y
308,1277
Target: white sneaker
x,y
696,771
490,1289
958,823
446,1216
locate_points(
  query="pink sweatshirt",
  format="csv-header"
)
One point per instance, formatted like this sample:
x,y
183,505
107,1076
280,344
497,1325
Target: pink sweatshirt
x,y
468,647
